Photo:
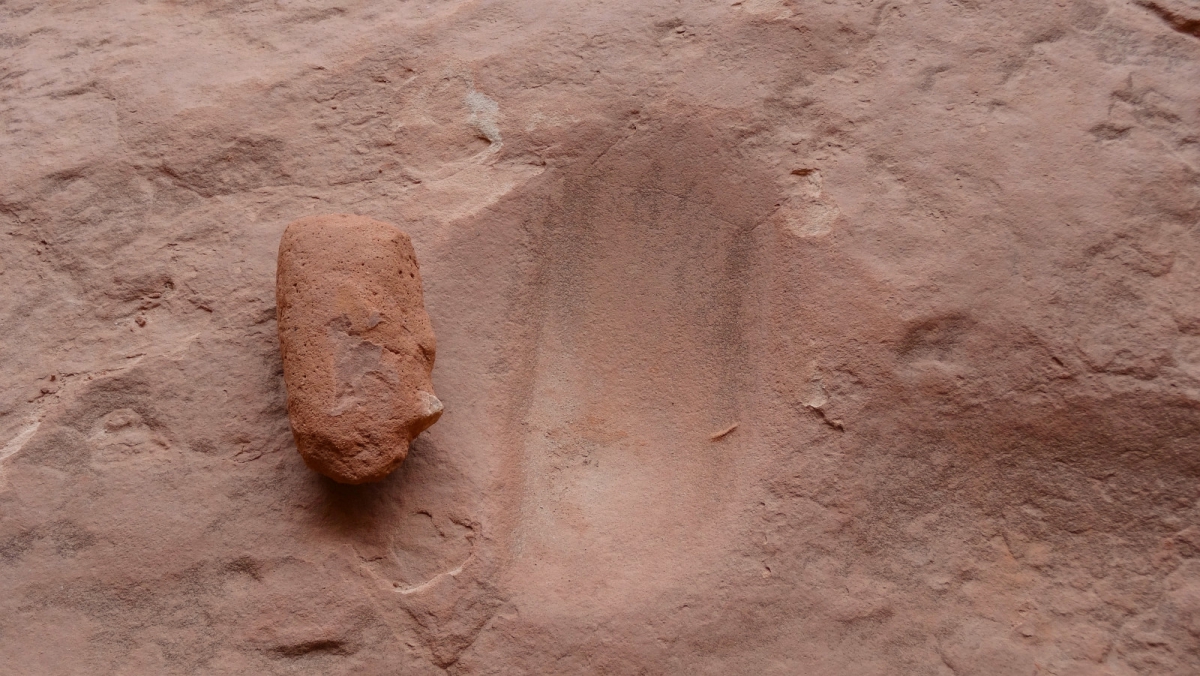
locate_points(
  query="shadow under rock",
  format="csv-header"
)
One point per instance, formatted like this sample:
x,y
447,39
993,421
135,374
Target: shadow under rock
x,y
357,511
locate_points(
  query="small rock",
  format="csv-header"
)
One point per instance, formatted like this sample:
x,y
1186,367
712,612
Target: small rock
x,y
358,347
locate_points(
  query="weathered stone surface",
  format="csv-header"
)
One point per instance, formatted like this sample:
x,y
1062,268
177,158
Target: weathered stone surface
x,y
357,345
937,260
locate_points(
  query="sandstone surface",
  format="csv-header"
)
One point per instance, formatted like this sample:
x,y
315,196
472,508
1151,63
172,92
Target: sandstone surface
x,y
938,261
357,345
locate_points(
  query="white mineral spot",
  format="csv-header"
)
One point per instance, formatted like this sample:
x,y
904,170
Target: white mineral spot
x,y
483,115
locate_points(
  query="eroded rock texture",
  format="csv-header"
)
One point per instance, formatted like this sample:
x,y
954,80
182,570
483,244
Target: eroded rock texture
x,y
937,259
357,345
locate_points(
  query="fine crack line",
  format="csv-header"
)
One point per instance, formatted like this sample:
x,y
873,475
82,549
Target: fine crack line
x,y
605,152
454,572
707,206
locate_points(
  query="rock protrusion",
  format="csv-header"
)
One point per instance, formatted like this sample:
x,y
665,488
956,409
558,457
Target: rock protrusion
x,y
357,344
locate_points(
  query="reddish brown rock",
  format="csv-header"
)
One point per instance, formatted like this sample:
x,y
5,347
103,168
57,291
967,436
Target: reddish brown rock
x,y
357,345
937,259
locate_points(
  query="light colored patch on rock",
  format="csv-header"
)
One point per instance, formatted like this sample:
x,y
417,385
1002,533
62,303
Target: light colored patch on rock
x,y
807,211
469,190
17,442
123,436
484,113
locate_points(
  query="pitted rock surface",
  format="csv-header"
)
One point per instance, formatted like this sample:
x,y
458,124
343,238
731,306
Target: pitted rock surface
x,y
357,344
840,337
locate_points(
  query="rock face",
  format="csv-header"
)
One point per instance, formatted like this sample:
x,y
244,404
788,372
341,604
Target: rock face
x,y
357,345
937,260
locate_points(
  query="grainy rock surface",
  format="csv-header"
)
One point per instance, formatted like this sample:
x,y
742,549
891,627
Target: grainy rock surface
x,y
357,345
938,260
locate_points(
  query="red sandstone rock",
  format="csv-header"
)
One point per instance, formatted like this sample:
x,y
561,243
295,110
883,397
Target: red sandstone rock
x,y
937,259
357,345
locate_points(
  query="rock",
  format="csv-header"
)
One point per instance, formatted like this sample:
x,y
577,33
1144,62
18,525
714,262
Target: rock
x,y
937,259
357,345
